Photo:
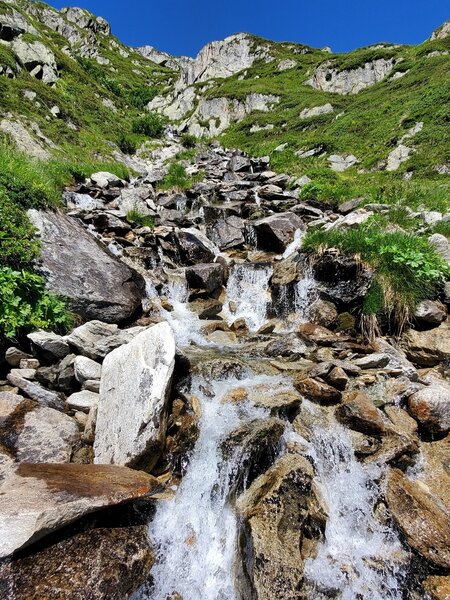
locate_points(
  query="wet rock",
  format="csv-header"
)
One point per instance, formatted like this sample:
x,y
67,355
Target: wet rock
x,y
397,358
433,468
36,392
281,520
317,334
431,312
51,346
424,522
85,368
359,413
430,407
76,266
265,396
33,433
323,313
438,587
96,339
428,348
106,563
276,232
252,449
341,279
285,272
291,345
338,378
193,247
227,233
206,277
134,390
206,309
66,492
317,390
372,361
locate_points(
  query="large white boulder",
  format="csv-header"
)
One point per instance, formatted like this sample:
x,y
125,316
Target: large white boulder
x,y
134,390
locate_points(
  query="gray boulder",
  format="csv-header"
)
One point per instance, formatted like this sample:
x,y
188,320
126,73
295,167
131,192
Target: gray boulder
x,y
227,233
207,277
134,391
37,59
50,345
86,368
96,284
276,232
96,339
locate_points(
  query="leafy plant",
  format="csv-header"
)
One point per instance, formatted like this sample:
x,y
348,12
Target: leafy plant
x,y
18,247
151,125
141,96
25,304
177,178
126,144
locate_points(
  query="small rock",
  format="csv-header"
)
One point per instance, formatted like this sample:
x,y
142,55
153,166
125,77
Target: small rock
x,y
37,392
431,312
85,368
372,361
13,356
317,391
83,400
53,347
431,407
359,413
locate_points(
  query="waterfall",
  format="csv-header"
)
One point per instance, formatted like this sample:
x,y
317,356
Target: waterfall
x,y
185,324
195,533
360,556
248,294
305,293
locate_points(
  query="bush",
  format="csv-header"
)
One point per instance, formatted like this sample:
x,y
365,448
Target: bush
x,y
17,244
151,125
176,178
188,140
407,268
127,145
140,97
25,305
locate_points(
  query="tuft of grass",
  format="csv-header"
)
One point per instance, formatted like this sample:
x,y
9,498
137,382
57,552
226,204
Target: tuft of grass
x,y
137,218
188,140
407,269
443,227
178,179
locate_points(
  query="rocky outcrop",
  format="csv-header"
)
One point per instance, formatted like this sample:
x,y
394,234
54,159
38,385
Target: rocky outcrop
x,y
163,58
328,78
428,348
13,24
65,492
277,531
96,284
37,59
222,59
134,391
441,32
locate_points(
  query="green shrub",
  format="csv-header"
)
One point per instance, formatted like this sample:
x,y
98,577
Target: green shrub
x,y
177,178
134,216
25,305
100,75
406,267
188,140
151,125
140,97
18,247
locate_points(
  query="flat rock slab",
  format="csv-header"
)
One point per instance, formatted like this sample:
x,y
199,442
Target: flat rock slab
x,y
36,392
76,266
134,391
36,499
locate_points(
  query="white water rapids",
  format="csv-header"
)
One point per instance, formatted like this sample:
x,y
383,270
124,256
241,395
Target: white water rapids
x,y
195,533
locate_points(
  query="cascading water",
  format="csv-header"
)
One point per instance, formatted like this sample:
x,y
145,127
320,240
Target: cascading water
x,y
195,533
185,324
360,557
248,294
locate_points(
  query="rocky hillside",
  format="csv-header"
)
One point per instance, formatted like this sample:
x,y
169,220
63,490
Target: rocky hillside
x,y
224,371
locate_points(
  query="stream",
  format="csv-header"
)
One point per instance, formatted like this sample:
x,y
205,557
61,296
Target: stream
x,y
195,533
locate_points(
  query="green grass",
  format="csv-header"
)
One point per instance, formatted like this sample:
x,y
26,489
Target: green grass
x,y
137,218
178,179
407,269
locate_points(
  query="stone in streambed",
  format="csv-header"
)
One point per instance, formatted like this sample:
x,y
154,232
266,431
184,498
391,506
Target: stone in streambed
x,y
105,563
134,391
281,521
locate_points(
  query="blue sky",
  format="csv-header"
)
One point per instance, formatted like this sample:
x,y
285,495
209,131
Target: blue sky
x,y
184,26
